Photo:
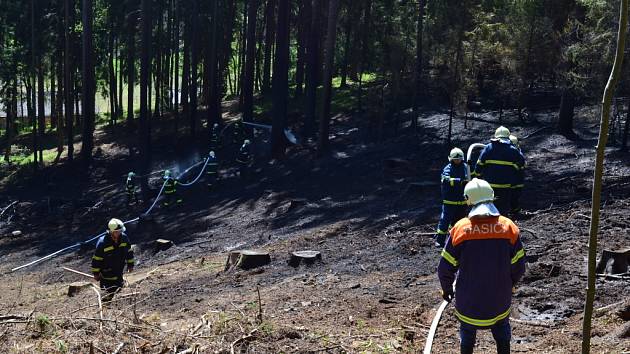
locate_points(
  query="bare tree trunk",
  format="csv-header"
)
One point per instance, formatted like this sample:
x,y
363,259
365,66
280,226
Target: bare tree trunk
x,y
280,81
597,178
250,59
145,62
419,86
131,66
565,116
329,59
68,80
89,84
269,39
312,69
303,25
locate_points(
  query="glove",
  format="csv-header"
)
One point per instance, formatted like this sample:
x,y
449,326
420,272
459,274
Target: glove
x,y
97,276
448,295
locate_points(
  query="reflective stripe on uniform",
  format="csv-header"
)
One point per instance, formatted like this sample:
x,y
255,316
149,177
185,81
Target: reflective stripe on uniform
x,y
449,258
108,249
502,163
451,202
97,258
110,278
500,185
124,244
516,186
131,261
520,254
441,232
96,270
482,323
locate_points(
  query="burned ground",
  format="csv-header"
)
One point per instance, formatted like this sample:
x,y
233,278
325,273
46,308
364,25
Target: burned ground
x,y
376,284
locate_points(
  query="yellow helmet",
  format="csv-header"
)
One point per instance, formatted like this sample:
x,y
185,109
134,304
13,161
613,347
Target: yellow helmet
x,y
116,225
502,133
456,154
478,191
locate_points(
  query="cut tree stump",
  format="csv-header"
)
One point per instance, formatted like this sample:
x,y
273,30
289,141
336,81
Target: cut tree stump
x,y
16,233
247,259
162,244
304,257
613,262
76,287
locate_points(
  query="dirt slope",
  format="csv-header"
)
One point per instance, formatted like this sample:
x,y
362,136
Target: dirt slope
x,y
377,279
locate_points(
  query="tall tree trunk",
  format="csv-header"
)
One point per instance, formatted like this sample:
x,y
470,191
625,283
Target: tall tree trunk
x,y
194,66
33,113
176,64
303,31
455,83
347,46
269,39
60,100
41,106
186,71
111,76
120,73
329,60
53,94
597,178
280,81
131,66
89,84
419,86
565,116
250,60
241,57
157,112
312,69
214,77
145,62
365,47
68,80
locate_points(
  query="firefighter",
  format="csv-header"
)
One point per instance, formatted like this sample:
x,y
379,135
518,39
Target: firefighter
x,y
113,253
130,188
237,134
245,159
212,170
215,137
453,179
517,189
170,190
484,252
500,164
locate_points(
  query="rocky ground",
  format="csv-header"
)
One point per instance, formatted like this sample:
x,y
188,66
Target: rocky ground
x,y
375,289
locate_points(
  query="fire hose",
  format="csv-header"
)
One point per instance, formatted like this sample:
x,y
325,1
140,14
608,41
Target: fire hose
x,y
92,239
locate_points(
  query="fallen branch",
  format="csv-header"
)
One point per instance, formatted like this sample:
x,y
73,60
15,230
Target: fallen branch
x,y
77,272
7,208
260,310
100,305
119,348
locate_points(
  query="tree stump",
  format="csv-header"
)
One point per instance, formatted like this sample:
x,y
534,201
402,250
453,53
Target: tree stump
x,y
247,259
304,257
76,287
16,233
162,245
613,262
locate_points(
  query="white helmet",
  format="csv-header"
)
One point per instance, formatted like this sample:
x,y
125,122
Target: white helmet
x,y
514,140
502,133
456,154
478,191
131,175
216,125
167,173
246,142
211,154
116,225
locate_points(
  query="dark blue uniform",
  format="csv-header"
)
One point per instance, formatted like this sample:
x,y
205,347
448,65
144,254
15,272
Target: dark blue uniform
x,y
170,192
110,259
501,164
453,180
130,186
